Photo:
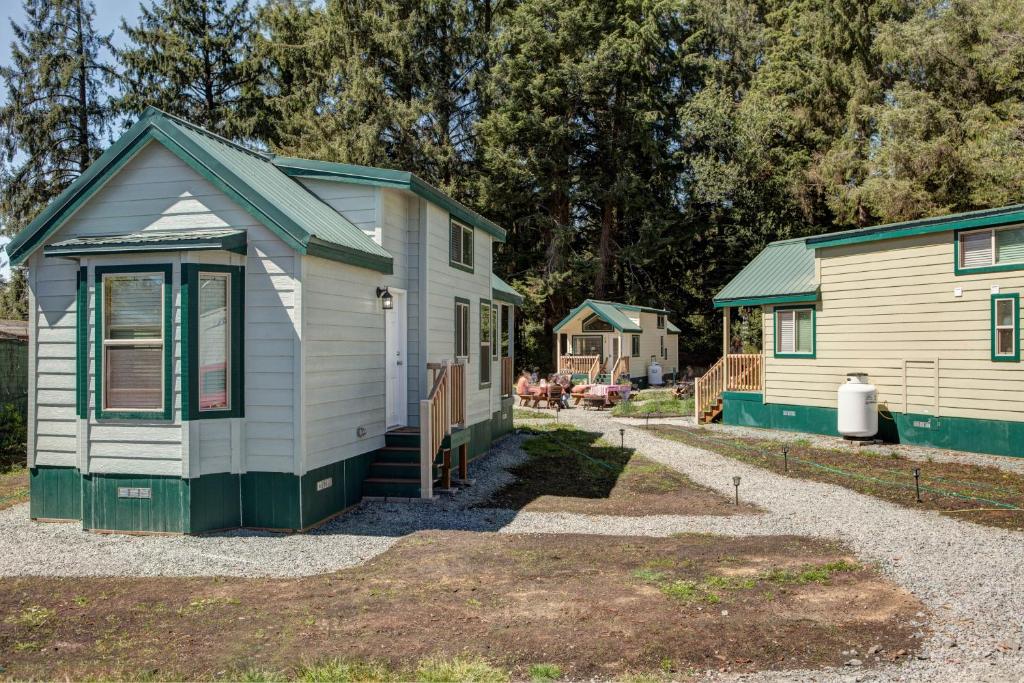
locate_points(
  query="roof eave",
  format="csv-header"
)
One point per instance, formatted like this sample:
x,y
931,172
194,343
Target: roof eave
x,y
795,298
354,257
896,231
403,180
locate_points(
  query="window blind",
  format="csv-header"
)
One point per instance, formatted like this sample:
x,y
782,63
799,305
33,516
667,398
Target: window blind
x,y
787,331
456,242
976,249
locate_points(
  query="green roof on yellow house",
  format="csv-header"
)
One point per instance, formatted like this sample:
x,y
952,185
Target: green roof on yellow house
x,y
783,272
615,314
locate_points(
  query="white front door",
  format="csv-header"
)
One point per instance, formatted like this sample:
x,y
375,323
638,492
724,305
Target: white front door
x,y
395,351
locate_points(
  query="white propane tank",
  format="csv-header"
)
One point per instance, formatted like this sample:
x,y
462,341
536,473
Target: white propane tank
x,y
654,374
858,406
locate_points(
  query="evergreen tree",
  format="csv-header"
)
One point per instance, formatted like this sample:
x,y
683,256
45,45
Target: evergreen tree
x,y
56,111
14,296
189,58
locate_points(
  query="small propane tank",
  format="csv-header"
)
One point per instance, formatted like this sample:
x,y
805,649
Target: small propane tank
x,y
654,378
858,406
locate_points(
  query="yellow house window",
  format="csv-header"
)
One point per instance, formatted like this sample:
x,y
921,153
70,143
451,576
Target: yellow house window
x,y
991,248
794,332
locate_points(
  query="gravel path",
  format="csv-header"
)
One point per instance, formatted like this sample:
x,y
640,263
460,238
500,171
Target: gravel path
x,y
971,577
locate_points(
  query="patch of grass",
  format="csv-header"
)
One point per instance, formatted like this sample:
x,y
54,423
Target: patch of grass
x,y
342,671
732,583
662,407
13,487
542,673
976,493
649,575
31,617
459,670
810,573
30,646
204,604
81,600
527,414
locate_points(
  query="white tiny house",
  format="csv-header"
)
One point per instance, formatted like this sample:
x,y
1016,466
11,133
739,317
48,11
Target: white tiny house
x,y
224,338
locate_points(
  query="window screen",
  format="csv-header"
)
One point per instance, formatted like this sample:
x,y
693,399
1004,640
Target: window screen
x,y
133,342
214,341
794,331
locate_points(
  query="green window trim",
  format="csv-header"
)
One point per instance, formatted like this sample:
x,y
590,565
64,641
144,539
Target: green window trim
x,y
814,332
465,231
634,349
495,332
82,343
996,268
168,343
190,342
485,351
1006,358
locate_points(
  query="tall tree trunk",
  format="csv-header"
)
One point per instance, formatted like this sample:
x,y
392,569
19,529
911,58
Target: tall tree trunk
x,y
604,249
83,92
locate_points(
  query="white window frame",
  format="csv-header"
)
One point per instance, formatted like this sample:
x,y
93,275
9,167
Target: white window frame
x,y
227,338
465,258
779,349
1012,303
661,321
108,343
993,254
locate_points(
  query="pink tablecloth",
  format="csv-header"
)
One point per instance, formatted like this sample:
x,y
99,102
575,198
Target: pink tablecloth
x,y
603,389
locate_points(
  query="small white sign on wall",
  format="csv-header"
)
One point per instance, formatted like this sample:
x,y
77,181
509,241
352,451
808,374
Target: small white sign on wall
x,y
995,289
958,292
324,484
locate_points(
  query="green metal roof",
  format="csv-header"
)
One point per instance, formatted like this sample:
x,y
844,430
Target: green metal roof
x,y
503,291
609,312
285,206
227,239
384,177
783,272
672,329
969,219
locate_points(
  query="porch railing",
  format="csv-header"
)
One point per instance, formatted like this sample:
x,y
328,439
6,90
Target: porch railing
x,y
620,368
443,408
577,365
744,374
506,376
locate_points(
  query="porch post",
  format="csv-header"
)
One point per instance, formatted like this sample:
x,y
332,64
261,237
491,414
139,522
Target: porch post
x,y
726,339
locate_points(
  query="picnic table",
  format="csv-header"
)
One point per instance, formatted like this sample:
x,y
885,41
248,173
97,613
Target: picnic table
x,y
601,395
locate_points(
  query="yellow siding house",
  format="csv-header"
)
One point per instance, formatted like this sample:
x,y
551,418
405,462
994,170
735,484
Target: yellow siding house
x,y
929,309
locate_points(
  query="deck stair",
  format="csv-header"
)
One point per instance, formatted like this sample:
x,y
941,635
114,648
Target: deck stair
x,y
711,413
395,469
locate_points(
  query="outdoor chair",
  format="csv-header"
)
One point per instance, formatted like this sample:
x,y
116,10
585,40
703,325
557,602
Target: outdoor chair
x,y
553,396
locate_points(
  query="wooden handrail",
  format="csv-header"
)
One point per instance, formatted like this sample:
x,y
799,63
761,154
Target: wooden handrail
x,y
744,374
595,369
575,365
620,368
444,406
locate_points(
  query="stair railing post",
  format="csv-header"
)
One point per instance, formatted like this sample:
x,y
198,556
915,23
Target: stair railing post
x,y
426,461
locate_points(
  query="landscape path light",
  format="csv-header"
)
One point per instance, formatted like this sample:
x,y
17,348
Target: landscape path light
x,y
736,483
622,440
917,483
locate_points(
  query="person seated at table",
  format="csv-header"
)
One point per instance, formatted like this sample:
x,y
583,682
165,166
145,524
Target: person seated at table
x,y
565,382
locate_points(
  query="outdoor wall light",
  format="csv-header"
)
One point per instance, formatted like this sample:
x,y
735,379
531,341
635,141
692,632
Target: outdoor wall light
x,y
387,301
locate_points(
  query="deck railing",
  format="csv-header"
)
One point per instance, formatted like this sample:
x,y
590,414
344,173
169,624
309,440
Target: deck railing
x,y
506,376
744,374
443,408
576,365
620,368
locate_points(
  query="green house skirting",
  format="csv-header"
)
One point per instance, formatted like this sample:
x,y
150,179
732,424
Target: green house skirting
x,y
996,437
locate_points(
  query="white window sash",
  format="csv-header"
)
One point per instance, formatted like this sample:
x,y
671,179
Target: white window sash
x,y
1012,327
227,332
148,342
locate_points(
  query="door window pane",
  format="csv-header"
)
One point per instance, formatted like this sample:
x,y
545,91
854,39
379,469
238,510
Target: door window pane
x,y
214,340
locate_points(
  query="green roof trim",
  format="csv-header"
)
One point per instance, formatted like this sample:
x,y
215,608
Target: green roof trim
x,y
285,206
923,226
151,241
608,312
384,177
503,291
784,272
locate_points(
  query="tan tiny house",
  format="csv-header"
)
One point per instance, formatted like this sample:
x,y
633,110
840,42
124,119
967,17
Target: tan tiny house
x,y
613,341
929,309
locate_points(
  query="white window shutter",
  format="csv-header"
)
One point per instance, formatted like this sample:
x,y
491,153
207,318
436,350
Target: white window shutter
x,y
787,332
976,249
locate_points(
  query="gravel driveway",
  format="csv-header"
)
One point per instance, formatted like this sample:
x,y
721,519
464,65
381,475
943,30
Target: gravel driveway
x,y
971,577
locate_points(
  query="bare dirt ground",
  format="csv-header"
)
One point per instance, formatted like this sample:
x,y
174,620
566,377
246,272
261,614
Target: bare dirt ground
x,y
571,470
593,606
